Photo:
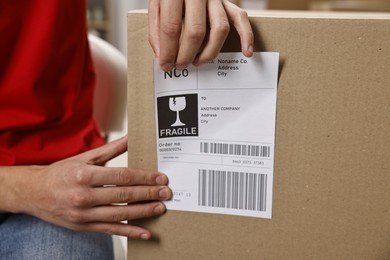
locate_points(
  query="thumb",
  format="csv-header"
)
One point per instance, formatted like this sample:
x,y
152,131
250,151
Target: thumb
x,y
103,154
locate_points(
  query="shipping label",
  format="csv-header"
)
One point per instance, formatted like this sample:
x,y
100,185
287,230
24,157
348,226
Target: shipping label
x,y
216,134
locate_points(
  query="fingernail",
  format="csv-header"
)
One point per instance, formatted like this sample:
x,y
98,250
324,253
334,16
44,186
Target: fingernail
x,y
159,209
181,66
164,193
250,48
167,66
145,236
161,180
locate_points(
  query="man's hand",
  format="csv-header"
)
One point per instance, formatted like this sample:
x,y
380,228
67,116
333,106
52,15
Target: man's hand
x,y
182,32
78,193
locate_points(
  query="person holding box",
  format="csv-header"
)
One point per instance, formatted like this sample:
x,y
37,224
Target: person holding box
x,y
57,199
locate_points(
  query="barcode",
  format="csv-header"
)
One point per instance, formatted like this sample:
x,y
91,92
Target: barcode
x,y
234,190
236,149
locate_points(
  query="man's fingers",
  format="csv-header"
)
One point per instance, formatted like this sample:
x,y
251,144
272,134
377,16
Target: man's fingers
x,y
103,154
110,195
107,219
165,29
117,213
99,176
219,30
194,32
154,25
240,20
171,15
120,229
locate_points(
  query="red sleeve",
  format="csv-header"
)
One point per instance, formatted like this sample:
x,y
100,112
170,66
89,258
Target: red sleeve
x,y
46,82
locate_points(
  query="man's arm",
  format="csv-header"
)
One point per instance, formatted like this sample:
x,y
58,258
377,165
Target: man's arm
x,y
78,193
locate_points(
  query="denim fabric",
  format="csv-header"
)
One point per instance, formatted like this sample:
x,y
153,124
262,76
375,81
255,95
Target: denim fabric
x,y
25,237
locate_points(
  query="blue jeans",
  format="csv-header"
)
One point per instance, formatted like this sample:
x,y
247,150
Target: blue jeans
x,y
26,237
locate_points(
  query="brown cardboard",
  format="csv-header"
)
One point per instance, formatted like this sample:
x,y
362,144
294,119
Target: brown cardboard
x,y
288,4
332,155
357,5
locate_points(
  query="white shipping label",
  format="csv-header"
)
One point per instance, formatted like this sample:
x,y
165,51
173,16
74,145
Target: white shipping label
x,y
216,134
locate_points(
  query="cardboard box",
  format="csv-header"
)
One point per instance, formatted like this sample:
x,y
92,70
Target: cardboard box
x,y
346,5
332,154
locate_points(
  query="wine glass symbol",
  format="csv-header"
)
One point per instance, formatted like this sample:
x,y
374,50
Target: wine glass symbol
x,y
177,104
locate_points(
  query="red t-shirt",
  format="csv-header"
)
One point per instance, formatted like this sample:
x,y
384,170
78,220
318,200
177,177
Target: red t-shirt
x,y
46,82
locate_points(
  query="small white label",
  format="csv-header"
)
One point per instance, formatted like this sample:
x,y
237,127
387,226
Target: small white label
x,y
216,134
